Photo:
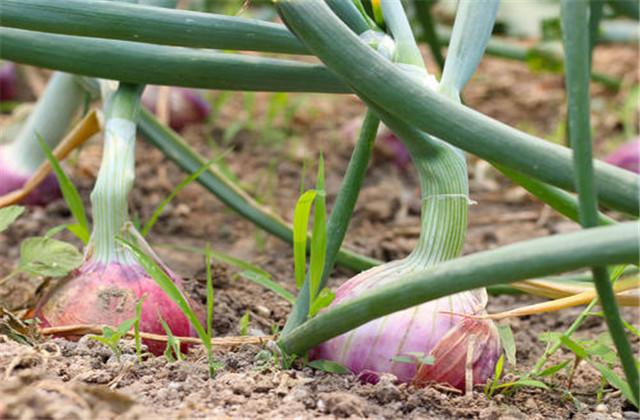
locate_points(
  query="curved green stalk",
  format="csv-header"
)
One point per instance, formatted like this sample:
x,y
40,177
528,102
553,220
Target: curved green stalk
x,y
575,25
189,160
534,258
134,62
133,22
389,88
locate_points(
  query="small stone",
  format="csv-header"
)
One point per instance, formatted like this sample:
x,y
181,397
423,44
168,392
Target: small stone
x,y
630,415
263,311
601,408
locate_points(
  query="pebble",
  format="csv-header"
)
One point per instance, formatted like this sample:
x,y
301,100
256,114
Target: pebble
x,y
263,311
601,408
631,415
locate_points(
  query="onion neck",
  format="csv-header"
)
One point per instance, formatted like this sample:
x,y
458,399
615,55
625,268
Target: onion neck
x,y
50,120
109,198
445,204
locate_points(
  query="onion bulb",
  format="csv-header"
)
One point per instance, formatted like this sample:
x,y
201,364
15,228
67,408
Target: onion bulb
x,y
8,82
440,329
107,294
186,106
13,177
627,156
107,287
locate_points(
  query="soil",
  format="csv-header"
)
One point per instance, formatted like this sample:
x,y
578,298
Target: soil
x,y
57,378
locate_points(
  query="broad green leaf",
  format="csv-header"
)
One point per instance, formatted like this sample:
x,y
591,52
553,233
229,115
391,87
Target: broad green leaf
x,y
324,299
300,232
49,257
8,215
69,192
328,366
267,283
508,343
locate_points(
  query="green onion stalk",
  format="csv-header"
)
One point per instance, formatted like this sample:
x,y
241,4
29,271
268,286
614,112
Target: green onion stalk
x,y
438,340
49,121
108,285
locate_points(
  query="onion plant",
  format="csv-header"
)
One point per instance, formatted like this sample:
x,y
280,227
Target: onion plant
x,y
50,120
420,318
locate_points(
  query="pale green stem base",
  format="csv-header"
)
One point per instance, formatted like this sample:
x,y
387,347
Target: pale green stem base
x,y
50,119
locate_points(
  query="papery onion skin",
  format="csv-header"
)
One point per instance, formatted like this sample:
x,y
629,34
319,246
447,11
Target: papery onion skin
x,y
107,294
11,179
368,350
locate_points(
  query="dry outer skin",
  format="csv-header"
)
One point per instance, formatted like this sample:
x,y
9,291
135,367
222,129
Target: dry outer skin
x,y
61,379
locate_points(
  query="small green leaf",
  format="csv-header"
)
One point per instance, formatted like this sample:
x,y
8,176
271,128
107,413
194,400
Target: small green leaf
x,y
136,328
55,230
125,326
328,366
404,359
532,383
267,283
554,369
324,299
508,343
300,233
497,372
244,323
69,192
8,215
576,348
49,257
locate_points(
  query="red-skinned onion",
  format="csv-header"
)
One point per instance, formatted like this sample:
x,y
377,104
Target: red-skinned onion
x,y
8,82
186,106
49,120
107,287
107,293
13,178
627,156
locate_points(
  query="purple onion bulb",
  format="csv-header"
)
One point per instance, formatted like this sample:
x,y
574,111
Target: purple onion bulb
x,y
186,106
13,178
440,328
627,156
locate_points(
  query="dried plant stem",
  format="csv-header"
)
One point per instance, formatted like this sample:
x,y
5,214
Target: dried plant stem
x,y
83,329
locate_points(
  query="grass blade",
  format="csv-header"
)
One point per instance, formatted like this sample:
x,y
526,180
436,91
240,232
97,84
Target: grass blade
x,y
268,283
319,236
168,286
158,211
70,194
